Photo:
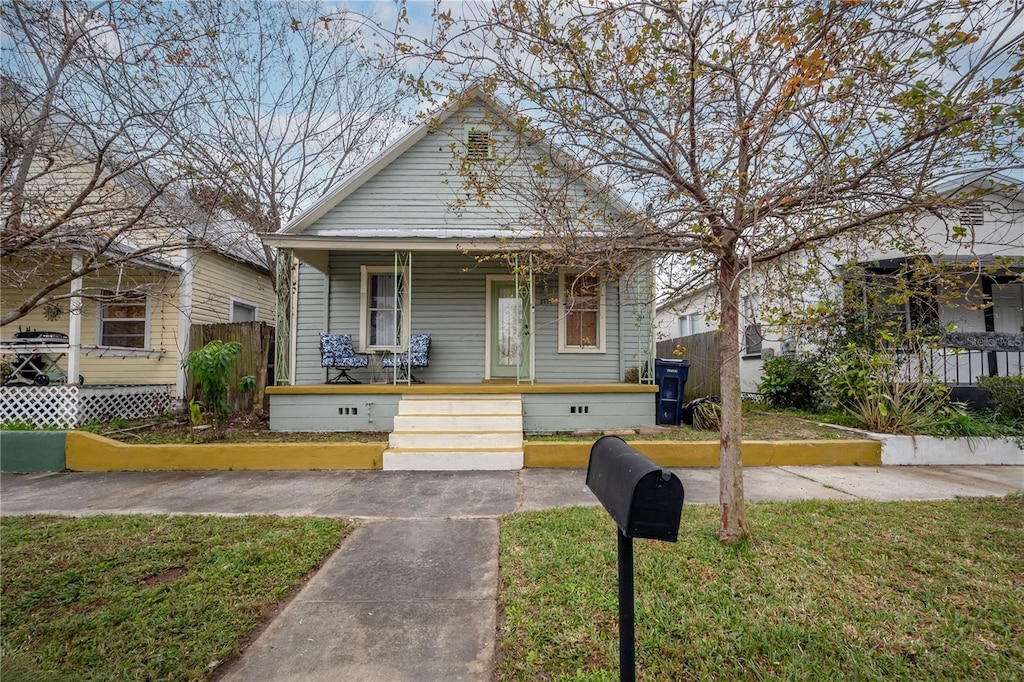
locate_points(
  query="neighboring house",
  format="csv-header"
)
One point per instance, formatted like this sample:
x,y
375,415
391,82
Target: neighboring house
x,y
138,334
985,311
396,252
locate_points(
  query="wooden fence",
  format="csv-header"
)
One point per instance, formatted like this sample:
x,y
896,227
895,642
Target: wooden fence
x,y
257,339
702,354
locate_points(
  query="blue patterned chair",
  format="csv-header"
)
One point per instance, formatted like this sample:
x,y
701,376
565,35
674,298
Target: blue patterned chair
x,y
418,355
336,353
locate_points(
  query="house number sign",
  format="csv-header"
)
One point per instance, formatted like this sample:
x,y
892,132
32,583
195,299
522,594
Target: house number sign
x,y
1005,341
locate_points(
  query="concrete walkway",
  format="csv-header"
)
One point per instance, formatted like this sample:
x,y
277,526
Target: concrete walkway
x,y
411,595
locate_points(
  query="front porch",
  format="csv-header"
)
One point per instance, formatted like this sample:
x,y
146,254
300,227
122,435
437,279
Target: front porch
x,y
546,407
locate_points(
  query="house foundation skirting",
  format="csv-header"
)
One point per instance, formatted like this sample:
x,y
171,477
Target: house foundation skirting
x,y
546,407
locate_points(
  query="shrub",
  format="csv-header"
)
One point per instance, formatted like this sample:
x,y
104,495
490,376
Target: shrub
x,y
707,414
211,366
791,381
884,391
1007,393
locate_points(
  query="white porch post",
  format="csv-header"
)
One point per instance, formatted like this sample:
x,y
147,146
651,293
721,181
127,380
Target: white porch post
x,y
75,322
184,318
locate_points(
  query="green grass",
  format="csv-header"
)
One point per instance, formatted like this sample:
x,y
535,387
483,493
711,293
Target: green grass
x,y
145,597
826,590
758,424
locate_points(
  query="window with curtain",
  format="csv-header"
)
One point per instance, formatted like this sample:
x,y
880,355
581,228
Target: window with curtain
x,y
581,313
384,309
123,320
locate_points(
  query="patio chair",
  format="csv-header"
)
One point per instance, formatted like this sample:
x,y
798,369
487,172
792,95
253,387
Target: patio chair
x,y
418,355
336,353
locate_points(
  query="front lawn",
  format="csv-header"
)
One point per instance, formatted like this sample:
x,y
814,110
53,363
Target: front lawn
x,y
145,597
825,591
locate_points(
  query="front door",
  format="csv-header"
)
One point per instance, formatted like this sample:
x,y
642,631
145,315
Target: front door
x,y
508,345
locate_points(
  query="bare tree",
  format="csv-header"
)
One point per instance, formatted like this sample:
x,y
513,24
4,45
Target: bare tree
x,y
297,102
742,132
87,118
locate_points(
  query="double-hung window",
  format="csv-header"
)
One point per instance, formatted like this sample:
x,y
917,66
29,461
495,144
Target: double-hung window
x,y
383,308
123,320
581,314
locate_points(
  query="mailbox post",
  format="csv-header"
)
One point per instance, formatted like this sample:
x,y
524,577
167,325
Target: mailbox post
x,y
645,501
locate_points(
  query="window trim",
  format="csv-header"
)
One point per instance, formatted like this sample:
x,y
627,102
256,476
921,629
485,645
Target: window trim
x,y
365,272
232,300
563,276
100,319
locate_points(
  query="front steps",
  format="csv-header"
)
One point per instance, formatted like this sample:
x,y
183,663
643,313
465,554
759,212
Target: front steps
x,y
465,432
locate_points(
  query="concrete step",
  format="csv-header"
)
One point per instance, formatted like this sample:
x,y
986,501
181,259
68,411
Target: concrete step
x,y
464,405
456,440
458,422
495,459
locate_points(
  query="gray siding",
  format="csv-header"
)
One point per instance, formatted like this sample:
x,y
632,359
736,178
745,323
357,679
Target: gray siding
x,y
547,412
417,191
311,320
333,412
449,301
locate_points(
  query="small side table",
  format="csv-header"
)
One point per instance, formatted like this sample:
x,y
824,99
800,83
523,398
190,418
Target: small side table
x,y
378,372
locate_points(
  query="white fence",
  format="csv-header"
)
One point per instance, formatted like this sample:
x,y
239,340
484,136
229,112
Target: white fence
x,y
66,407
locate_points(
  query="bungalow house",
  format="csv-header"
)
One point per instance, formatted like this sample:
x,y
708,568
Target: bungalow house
x,y
979,306
398,251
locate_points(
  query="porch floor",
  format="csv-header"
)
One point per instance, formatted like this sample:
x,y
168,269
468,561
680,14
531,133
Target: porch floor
x,y
486,388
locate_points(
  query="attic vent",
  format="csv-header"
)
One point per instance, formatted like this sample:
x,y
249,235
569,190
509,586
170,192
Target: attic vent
x,y
973,215
478,145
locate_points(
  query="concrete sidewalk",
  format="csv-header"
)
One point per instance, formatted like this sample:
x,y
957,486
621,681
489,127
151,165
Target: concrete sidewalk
x,y
411,595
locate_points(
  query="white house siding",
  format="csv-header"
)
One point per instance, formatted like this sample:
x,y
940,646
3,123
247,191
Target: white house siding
x,y
217,279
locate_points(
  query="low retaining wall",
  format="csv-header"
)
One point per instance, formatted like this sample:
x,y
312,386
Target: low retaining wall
x,y
705,453
928,450
25,451
45,451
89,452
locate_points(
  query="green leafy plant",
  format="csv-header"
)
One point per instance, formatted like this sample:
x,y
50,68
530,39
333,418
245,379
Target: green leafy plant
x,y
707,415
1007,393
791,381
210,367
247,384
885,390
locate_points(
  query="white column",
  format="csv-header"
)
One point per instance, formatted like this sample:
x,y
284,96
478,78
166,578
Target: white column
x,y
184,317
75,322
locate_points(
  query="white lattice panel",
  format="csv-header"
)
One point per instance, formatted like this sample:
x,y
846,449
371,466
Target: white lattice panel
x,y
40,405
66,407
103,403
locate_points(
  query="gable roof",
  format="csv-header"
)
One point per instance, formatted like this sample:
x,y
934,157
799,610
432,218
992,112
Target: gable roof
x,y
403,144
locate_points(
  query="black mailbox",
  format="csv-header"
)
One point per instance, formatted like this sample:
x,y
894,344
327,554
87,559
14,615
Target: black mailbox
x,y
645,500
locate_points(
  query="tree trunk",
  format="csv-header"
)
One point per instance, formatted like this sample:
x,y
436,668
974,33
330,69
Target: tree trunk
x,y
733,526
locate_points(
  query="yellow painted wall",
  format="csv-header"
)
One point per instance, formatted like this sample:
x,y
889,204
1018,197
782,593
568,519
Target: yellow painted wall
x,y
163,322
215,279
89,452
705,453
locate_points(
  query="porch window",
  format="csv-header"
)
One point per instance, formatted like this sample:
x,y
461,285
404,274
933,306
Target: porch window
x,y
581,303
124,319
384,309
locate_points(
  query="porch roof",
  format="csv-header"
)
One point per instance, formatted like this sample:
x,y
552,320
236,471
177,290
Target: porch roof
x,y
355,241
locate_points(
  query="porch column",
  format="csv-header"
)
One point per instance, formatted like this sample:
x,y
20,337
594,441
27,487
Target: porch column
x,y
75,321
184,318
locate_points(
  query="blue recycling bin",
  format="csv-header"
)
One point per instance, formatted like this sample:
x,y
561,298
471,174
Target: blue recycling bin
x,y
670,376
